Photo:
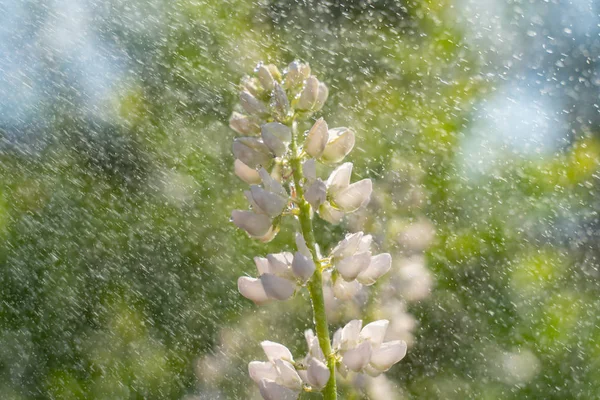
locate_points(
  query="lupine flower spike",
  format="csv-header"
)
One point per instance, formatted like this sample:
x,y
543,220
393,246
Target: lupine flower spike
x,y
279,162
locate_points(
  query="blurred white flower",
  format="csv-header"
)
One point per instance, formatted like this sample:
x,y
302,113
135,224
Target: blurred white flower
x,y
414,278
276,378
252,105
295,74
244,124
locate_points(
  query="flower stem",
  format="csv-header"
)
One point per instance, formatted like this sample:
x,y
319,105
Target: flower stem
x,y
315,284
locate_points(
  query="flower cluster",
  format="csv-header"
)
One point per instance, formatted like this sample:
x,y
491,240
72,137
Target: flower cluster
x,y
279,162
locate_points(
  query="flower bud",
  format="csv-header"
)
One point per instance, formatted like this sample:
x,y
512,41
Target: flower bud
x,y
277,137
341,142
296,73
251,85
256,225
303,266
316,194
316,140
265,77
243,124
280,102
322,95
317,373
274,72
245,173
252,105
251,151
309,93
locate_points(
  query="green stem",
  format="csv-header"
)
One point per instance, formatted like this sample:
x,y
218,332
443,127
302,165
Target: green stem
x,y
315,284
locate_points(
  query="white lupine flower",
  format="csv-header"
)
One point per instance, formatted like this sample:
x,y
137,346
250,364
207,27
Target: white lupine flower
x,y
270,199
252,105
279,276
316,139
252,85
352,255
245,173
330,214
316,373
379,266
309,94
243,124
340,143
363,350
277,137
342,196
252,151
296,73
276,378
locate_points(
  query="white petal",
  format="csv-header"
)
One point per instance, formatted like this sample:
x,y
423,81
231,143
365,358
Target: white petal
x,y
270,184
316,194
321,96
270,390
350,267
354,196
339,179
252,289
344,290
288,376
365,244
388,354
341,142
302,266
262,370
279,263
243,124
375,332
301,245
350,333
276,287
358,358
276,351
348,246
380,264
317,373
270,203
255,224
330,214
245,173
309,169
262,265
265,77
251,151
277,137
252,105
337,339
308,96
317,138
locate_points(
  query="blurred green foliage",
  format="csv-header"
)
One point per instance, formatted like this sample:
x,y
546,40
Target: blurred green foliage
x,y
119,263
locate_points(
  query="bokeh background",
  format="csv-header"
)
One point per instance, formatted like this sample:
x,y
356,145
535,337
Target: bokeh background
x,y
477,120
